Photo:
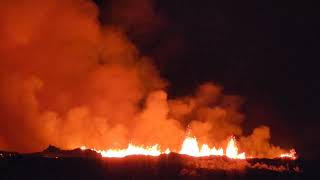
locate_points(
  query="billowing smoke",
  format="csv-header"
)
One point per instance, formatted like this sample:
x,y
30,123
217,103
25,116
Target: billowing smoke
x,y
67,80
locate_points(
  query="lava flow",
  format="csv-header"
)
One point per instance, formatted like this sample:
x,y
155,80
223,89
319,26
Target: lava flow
x,y
189,147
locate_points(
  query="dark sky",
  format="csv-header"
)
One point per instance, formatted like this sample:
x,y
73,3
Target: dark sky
x,y
264,51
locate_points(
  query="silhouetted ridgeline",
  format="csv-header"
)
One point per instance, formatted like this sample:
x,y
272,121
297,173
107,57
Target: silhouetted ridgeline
x,y
54,163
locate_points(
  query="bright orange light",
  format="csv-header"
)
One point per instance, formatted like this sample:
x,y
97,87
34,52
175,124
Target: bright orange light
x,y
291,155
232,150
189,147
131,150
167,151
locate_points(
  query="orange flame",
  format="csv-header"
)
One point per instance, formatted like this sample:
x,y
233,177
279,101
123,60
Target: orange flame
x,y
232,150
189,147
131,150
290,155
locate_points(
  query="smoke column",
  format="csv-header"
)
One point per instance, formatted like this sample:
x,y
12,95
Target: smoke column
x,y
67,80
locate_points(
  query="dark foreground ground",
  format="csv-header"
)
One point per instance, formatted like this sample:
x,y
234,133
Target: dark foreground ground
x,y
54,164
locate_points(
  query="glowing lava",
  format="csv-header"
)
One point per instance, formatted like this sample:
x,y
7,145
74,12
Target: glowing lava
x,y
232,150
132,150
189,147
291,155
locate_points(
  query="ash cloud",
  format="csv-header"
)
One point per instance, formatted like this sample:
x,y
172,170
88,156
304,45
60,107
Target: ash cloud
x,y
69,81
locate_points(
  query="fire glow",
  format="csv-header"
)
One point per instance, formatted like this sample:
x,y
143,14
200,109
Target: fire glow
x,y
189,147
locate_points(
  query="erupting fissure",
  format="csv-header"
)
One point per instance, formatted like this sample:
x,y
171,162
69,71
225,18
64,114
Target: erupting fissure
x,y
78,81
189,147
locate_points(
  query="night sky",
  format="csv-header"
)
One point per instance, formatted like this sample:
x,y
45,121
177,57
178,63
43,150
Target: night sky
x,y
264,51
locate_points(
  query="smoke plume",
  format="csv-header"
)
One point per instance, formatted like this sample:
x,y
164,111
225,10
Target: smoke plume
x,y
69,81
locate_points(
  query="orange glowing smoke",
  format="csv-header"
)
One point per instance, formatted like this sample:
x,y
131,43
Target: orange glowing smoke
x,y
68,80
189,147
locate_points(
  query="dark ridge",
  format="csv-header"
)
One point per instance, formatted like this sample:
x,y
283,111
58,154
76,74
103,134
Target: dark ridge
x,y
54,163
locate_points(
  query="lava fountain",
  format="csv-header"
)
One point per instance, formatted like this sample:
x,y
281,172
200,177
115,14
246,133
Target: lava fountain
x,y
190,147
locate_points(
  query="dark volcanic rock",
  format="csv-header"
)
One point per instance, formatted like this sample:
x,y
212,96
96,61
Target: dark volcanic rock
x,y
54,163
51,149
54,152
